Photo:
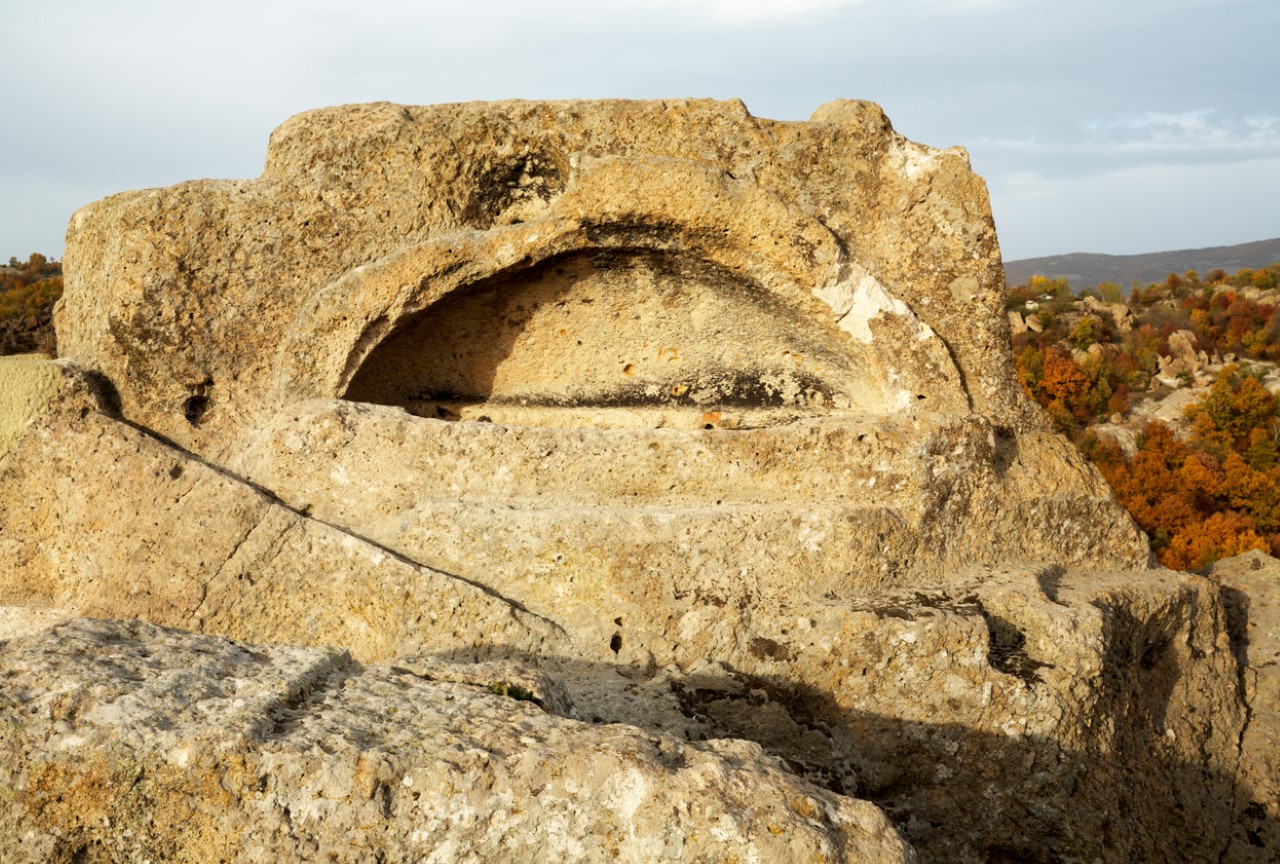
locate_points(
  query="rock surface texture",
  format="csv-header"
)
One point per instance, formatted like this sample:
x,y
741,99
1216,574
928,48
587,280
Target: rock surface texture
x,y
635,480
610,293
123,741
1251,592
27,384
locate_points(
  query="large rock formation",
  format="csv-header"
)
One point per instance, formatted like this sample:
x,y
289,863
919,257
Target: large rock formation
x,y
704,423
791,333
694,256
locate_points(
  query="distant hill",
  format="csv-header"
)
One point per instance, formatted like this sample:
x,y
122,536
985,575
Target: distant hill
x,y
1084,268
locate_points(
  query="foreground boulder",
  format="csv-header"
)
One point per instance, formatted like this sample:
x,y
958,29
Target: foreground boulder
x,y
1102,719
123,741
702,424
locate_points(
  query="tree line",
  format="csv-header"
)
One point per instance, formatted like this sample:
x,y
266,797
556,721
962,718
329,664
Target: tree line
x,y
1207,494
28,290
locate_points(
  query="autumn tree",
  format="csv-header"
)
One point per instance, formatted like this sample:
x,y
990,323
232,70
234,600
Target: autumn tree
x,y
1215,492
1235,405
28,291
1222,535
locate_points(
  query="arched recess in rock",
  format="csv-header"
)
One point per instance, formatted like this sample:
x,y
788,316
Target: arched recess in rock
x,y
683,298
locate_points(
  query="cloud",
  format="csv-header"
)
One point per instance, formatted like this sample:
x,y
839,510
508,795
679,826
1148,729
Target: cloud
x,y
1098,147
758,10
802,12
1145,208
1198,130
1156,132
146,92
1265,127
747,12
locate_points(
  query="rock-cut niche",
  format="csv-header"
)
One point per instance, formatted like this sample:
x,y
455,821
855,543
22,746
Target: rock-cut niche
x,y
619,338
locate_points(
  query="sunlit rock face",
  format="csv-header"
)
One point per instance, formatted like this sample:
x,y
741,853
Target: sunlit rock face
x,y
707,420
627,354
286,754
694,257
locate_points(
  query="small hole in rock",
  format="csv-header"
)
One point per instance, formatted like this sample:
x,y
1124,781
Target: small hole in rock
x,y
615,644
194,408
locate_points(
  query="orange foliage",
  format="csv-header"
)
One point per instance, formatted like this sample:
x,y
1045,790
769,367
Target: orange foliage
x,y
1235,405
28,291
1196,507
1063,379
1220,536
1214,494
1152,486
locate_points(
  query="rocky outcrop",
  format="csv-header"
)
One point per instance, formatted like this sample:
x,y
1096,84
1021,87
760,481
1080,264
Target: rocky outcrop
x,y
123,741
961,712
1183,360
699,429
1120,314
375,227
1251,592
596,290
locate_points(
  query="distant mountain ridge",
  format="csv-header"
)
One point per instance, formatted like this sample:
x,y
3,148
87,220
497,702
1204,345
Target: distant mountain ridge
x,y
1081,269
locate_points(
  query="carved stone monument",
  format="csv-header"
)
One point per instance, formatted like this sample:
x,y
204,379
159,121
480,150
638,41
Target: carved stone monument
x,y
708,420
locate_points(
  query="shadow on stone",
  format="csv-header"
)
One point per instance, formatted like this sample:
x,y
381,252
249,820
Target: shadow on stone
x,y
956,793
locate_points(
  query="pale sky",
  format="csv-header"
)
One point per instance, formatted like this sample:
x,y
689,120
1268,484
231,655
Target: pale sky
x,y
1118,126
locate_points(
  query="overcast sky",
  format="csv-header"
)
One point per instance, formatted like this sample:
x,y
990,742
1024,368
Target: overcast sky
x,y
1118,126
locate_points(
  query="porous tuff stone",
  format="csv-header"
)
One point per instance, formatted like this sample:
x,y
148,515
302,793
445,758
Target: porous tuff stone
x,y
974,716
709,418
599,290
1251,592
650,525
802,257
1098,717
1038,716
100,517
123,741
28,383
